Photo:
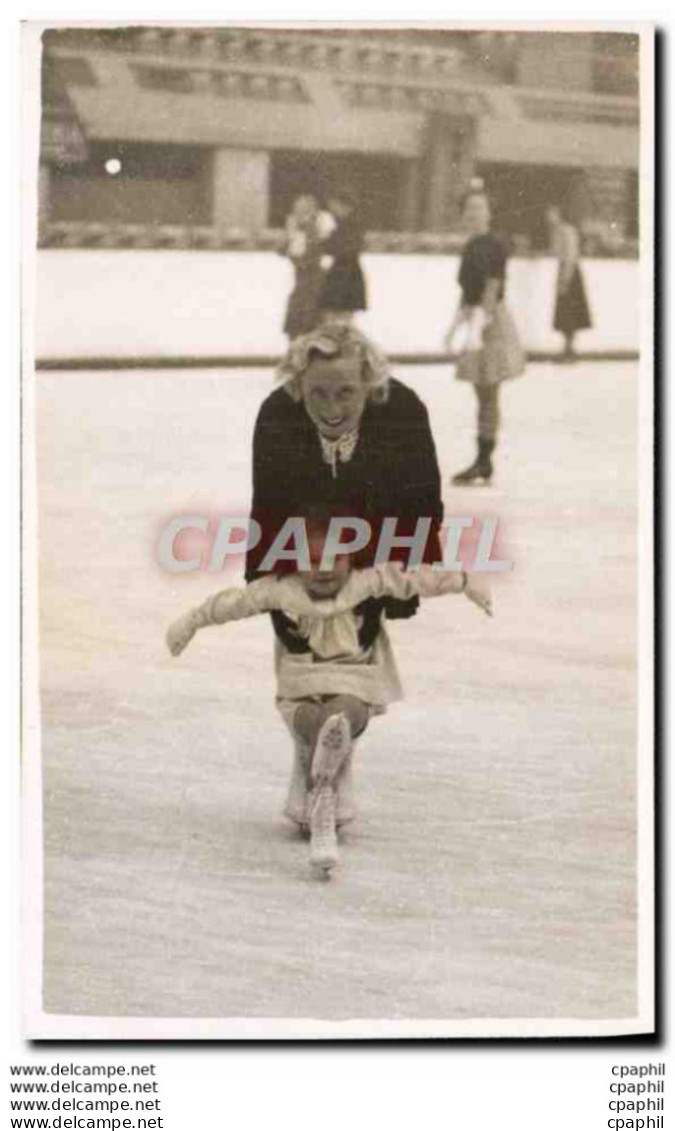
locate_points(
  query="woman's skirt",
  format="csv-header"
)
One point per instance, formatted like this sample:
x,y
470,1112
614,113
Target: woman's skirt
x,y
302,312
501,357
344,288
571,308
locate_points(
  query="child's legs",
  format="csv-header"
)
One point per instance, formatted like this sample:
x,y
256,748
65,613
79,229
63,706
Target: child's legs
x,y
310,716
305,718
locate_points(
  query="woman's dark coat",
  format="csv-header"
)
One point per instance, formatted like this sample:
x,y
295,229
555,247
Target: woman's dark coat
x,y
392,473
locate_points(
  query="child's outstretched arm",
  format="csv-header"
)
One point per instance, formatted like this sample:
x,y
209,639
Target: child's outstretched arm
x,y
180,631
437,582
261,596
392,581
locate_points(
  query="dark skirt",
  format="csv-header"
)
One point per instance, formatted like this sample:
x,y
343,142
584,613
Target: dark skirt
x,y
344,288
571,309
302,312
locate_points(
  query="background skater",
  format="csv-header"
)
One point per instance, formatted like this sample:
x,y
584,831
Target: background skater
x,y
492,352
304,228
572,312
344,288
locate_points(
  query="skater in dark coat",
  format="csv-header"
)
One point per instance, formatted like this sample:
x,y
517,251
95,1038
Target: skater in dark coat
x,y
491,351
571,304
344,289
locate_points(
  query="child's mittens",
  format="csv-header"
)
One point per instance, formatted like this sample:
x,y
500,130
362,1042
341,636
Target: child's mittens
x,y
479,596
180,633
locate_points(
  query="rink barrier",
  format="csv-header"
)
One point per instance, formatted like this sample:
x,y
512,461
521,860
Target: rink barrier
x,y
108,235
268,361
190,304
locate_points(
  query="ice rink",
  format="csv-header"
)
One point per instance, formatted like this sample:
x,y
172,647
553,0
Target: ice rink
x,y
492,873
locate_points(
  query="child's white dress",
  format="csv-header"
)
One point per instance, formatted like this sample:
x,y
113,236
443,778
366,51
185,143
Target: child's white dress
x,y
336,664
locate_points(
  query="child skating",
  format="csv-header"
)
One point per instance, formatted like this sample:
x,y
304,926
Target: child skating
x,y
328,694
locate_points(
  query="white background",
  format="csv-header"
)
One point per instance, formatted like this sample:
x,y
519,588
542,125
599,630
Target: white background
x,y
252,1087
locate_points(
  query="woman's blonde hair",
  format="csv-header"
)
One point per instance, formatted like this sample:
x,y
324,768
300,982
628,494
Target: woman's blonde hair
x,y
335,342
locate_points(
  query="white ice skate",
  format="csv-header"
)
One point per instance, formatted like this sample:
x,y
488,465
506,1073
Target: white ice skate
x,y
323,849
333,747
297,807
333,751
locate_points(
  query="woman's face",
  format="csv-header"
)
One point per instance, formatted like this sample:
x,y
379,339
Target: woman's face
x,y
476,215
334,395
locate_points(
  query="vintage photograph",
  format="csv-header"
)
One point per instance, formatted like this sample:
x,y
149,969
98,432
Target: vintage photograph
x,y
338,510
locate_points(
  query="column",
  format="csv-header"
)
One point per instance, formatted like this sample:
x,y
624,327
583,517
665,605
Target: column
x,y
240,188
449,163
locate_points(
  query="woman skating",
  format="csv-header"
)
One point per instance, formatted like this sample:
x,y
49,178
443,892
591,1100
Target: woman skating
x,y
344,287
491,352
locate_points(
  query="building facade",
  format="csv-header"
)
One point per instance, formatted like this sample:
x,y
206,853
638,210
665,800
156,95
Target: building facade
x,y
214,132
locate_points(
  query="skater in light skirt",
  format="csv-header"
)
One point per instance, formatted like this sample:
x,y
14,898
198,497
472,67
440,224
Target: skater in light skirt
x,y
327,694
489,349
